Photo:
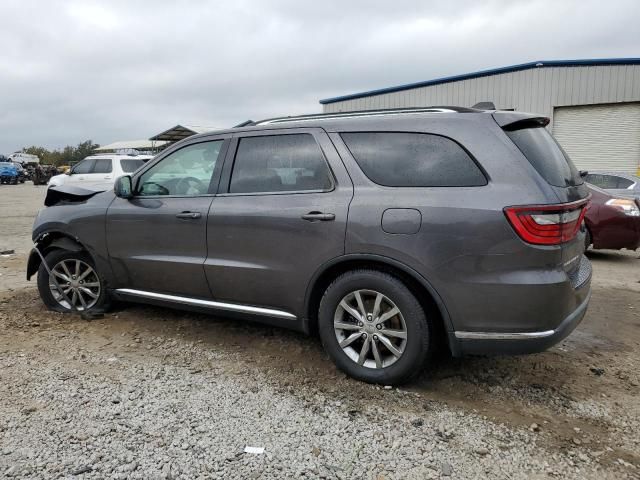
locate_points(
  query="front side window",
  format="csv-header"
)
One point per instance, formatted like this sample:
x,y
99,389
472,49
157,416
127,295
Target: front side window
x,y
102,165
279,163
398,159
84,166
185,172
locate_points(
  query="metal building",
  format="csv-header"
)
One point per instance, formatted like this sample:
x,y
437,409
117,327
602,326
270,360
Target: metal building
x,y
594,105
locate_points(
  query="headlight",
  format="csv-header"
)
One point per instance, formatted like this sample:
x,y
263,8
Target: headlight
x,y
626,206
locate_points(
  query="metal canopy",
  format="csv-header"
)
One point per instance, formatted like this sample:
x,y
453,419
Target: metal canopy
x,y
179,132
133,145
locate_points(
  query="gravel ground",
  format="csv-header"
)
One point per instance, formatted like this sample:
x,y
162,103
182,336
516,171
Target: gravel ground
x,y
148,393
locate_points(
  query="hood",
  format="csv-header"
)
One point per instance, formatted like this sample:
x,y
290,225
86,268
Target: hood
x,y
67,194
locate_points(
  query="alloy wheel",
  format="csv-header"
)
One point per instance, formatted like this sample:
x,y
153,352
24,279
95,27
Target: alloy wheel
x,y
370,329
79,282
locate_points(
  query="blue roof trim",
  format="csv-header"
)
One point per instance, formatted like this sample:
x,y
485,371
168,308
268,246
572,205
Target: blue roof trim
x,y
485,73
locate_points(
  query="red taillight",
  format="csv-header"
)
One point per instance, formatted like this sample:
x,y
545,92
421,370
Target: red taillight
x,y
547,224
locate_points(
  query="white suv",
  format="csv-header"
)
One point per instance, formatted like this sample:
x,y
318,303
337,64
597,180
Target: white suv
x,y
99,172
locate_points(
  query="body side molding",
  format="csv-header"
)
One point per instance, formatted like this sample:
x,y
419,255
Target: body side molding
x,y
197,302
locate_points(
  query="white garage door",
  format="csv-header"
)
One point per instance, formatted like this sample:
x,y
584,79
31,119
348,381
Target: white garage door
x,y
600,137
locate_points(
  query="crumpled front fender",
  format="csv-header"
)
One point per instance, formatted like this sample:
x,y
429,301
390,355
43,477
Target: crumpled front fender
x,y
45,243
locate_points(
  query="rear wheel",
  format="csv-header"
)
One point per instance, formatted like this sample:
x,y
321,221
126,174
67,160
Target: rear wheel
x,y
374,328
77,277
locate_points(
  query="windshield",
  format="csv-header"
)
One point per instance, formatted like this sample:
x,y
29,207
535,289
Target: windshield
x,y
546,156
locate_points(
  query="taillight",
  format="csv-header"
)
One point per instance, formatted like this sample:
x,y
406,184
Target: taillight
x,y
547,224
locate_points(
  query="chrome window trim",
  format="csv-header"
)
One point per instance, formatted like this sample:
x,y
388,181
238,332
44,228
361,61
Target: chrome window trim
x,y
234,307
503,335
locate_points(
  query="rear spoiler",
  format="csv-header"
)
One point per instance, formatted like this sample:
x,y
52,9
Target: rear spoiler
x,y
517,120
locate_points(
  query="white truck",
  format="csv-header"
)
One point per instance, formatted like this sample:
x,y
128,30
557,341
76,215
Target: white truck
x,y
23,158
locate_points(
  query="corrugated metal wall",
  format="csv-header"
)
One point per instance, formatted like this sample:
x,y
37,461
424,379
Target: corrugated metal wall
x,y
536,90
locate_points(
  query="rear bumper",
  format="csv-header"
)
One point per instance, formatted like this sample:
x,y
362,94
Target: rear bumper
x,y
518,343
527,341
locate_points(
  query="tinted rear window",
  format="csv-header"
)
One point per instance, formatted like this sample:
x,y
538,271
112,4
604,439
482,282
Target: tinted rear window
x,y
279,163
546,156
129,166
396,159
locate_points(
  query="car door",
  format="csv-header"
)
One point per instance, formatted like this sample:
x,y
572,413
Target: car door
x,y
100,176
280,213
157,239
78,173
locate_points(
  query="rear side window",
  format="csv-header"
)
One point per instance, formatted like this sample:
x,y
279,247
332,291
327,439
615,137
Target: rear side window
x,y
546,156
608,181
129,166
397,159
279,163
102,165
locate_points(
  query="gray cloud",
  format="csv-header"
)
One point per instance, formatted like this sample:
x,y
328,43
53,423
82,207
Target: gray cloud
x,y
117,70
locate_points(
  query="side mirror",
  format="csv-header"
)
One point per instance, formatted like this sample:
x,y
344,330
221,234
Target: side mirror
x,y
123,187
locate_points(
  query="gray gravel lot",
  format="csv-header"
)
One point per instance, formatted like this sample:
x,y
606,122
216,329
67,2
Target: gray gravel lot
x,y
148,392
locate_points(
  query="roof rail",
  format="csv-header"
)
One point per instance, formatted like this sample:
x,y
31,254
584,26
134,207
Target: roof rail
x,y
366,113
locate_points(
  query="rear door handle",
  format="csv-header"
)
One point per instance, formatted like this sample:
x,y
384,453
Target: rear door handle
x,y
318,217
189,215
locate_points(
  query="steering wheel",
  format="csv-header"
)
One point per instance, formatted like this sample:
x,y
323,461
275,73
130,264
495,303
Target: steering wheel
x,y
161,189
187,184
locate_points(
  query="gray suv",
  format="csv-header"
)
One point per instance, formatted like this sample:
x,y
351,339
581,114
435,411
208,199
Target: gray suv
x,y
387,233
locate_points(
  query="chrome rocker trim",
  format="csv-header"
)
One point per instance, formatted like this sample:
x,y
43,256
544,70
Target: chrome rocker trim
x,y
234,307
503,335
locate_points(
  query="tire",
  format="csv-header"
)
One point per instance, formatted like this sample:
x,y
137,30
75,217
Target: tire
x,y
57,303
387,367
587,240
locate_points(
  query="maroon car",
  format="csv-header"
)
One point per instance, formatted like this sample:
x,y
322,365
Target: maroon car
x,y
612,221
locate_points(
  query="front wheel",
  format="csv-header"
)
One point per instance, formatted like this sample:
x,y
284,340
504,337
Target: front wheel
x,y
75,273
374,328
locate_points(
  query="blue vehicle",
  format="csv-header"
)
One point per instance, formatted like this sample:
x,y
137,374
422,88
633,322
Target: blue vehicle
x,y
9,173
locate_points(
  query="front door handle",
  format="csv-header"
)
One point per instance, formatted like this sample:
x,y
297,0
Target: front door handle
x,y
189,215
318,217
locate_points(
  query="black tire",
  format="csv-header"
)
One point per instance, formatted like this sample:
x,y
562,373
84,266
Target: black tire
x,y
418,347
587,240
53,258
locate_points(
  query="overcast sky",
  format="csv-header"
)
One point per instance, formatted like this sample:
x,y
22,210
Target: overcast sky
x,y
123,70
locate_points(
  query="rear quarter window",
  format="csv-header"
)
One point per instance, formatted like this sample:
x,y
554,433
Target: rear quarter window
x,y
546,156
398,159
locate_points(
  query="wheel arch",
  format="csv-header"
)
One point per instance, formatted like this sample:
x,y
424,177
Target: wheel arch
x,y
49,241
419,286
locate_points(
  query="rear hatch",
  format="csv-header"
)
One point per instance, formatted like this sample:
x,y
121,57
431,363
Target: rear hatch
x,y
561,221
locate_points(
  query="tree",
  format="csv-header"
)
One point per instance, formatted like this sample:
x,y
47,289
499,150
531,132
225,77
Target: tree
x,y
66,156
